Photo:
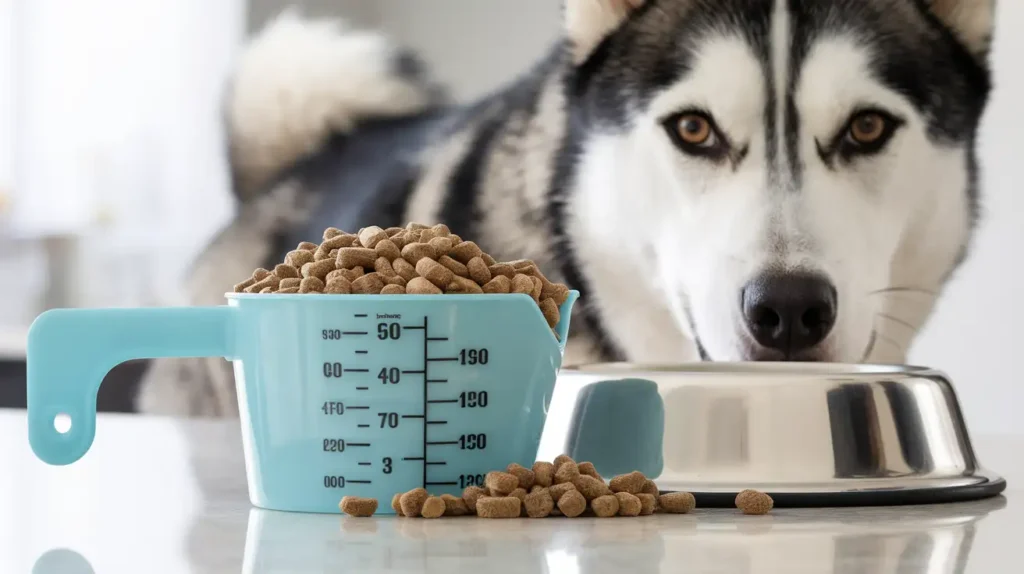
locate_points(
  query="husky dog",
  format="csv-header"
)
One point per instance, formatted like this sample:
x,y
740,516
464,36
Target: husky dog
x,y
726,180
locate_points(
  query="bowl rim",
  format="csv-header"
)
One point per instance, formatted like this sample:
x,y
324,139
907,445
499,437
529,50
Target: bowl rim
x,y
752,369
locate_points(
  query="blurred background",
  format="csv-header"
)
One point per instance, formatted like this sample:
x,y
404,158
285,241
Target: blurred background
x,y
113,174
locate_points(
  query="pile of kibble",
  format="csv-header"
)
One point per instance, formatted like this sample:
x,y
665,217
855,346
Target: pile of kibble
x,y
416,260
560,488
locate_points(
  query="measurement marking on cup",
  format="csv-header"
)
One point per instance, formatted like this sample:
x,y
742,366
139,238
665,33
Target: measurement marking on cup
x,y
367,388
440,442
360,315
437,380
413,458
437,422
356,370
365,463
361,352
412,416
358,408
354,333
437,338
453,483
358,444
438,359
364,426
436,463
439,401
360,482
414,372
426,363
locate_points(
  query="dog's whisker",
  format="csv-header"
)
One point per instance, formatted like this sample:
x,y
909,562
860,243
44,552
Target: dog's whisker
x,y
890,340
914,290
897,320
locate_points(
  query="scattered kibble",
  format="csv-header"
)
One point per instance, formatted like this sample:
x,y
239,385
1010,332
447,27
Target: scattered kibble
x,y
754,502
355,506
498,507
605,506
588,469
539,503
629,505
454,505
567,472
590,487
396,504
433,507
471,495
544,473
648,503
526,477
412,502
501,483
677,502
632,483
572,504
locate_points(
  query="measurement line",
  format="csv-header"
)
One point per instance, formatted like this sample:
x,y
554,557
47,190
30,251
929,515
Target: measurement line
x,y
437,380
437,422
364,426
437,338
414,372
412,416
355,333
361,352
434,359
363,482
365,463
362,388
360,316
453,483
443,442
426,362
414,327
358,408
413,458
356,370
439,401
358,444
436,463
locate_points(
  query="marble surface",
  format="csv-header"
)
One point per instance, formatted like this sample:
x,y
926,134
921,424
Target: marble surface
x,y
160,495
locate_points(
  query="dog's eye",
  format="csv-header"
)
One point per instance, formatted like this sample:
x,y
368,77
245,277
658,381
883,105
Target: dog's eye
x,y
868,131
695,133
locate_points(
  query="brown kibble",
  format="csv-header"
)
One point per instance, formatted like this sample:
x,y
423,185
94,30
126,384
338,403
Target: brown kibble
x,y
426,235
388,250
311,285
441,245
677,502
396,504
332,232
454,266
539,503
306,246
519,493
338,286
434,272
463,285
412,502
572,504
350,257
605,506
650,488
648,503
433,507
421,286
501,483
629,505
551,313
355,506
290,282
396,280
267,290
562,459
318,269
503,270
543,473
285,271
454,506
369,284
383,266
404,269
393,231
412,226
558,491
288,290
567,472
488,259
414,252
268,281
392,289
754,502
537,286
369,237
591,487
441,230
338,242
465,251
352,274
471,495
588,469
522,284
537,488
499,284
555,291
478,271
632,483
498,507
240,287
524,475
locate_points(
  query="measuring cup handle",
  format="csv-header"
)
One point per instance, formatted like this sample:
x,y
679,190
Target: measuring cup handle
x,y
565,313
71,350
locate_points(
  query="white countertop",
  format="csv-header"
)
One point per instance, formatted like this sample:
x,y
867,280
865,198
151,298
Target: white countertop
x,y
158,495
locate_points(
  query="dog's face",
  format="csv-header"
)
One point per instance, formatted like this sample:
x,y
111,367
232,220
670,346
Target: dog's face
x,y
798,175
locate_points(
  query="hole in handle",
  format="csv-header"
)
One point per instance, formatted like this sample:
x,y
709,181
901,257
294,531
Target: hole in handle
x,y
62,423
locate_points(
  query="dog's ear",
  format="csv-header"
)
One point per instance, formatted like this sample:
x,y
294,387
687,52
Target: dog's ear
x,y
588,22
972,21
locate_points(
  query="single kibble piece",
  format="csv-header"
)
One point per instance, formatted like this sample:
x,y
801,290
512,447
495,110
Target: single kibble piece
x,y
404,269
502,269
465,251
559,490
572,504
605,506
677,502
290,283
471,495
567,472
355,506
488,259
441,230
370,284
629,505
338,286
562,459
522,284
413,226
555,291
332,232
526,476
240,287
454,266
338,242
285,271
396,504
591,487
422,286
754,502
501,483
498,507
353,274
539,503
427,235
499,284
434,272
414,252
648,503
396,280
311,285
433,507
537,286
441,245
268,281
454,506
266,290
350,257
588,469
543,473
370,236
388,250
412,502
286,290
384,267
392,289
318,269
463,285
550,311
632,483
478,271
306,246
650,488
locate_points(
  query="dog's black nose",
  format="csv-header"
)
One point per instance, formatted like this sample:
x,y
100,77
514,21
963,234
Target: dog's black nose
x,y
789,312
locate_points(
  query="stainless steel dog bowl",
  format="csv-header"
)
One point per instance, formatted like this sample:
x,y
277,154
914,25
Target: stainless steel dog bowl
x,y
809,434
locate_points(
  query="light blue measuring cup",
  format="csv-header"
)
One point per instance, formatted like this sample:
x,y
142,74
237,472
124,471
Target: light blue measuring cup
x,y
360,395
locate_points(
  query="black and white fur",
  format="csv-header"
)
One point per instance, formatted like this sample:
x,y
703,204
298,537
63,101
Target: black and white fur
x,y
575,165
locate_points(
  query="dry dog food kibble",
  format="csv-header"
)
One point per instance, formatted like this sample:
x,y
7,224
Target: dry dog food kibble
x,y
498,507
355,506
632,483
543,473
412,502
572,504
501,483
567,472
433,507
629,505
396,504
559,490
471,495
651,488
648,503
526,476
754,502
590,487
588,469
605,506
454,506
539,504
677,502
414,260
